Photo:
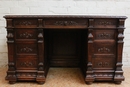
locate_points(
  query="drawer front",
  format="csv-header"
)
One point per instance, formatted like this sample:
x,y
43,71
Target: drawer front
x,y
104,63
65,23
105,23
104,47
25,23
26,49
100,34
26,34
26,63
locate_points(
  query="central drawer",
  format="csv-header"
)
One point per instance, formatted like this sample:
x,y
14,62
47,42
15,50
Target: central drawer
x,y
65,23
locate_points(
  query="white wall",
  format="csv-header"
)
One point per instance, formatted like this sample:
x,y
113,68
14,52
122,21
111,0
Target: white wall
x,y
64,7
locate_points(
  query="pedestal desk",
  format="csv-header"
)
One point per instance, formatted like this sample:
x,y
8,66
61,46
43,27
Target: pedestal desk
x,y
92,43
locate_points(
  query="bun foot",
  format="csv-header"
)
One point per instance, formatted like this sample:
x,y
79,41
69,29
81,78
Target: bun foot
x,y
117,82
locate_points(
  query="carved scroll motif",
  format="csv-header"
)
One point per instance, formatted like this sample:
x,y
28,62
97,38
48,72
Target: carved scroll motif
x,y
26,64
103,64
65,23
104,35
26,23
26,49
26,35
103,50
105,23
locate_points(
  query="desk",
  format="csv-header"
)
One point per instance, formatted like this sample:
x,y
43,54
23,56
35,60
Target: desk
x,y
92,43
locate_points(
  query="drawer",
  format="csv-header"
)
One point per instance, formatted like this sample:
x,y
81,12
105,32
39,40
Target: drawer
x,y
66,23
25,23
104,47
26,63
104,34
26,49
103,63
26,34
105,23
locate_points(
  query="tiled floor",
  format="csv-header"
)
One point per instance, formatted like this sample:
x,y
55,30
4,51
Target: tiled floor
x,y
64,77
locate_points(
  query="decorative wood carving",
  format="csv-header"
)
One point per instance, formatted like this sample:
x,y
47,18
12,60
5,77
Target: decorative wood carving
x,y
103,75
26,35
104,23
103,50
10,35
104,35
27,64
103,64
65,23
26,74
26,23
26,49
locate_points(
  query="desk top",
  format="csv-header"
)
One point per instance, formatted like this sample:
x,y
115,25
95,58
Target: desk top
x,y
63,16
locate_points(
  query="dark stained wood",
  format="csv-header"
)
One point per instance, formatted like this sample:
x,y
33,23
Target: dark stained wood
x,y
92,43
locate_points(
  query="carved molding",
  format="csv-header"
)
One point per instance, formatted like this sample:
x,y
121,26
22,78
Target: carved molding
x,y
27,74
104,35
65,23
103,64
26,49
26,35
104,49
103,75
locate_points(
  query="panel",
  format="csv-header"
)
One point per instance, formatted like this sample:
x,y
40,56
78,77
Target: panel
x,y
105,23
100,34
26,34
25,23
26,49
26,63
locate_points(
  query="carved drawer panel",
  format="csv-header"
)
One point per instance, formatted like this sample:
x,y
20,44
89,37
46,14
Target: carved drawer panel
x,y
28,63
26,49
104,34
65,23
25,23
104,63
105,23
104,47
26,34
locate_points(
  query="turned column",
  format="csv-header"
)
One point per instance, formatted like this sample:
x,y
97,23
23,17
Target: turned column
x,y
89,73
118,72
40,73
11,73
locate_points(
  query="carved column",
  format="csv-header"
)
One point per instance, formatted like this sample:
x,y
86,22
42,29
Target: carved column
x,y
11,58
118,72
89,73
40,73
